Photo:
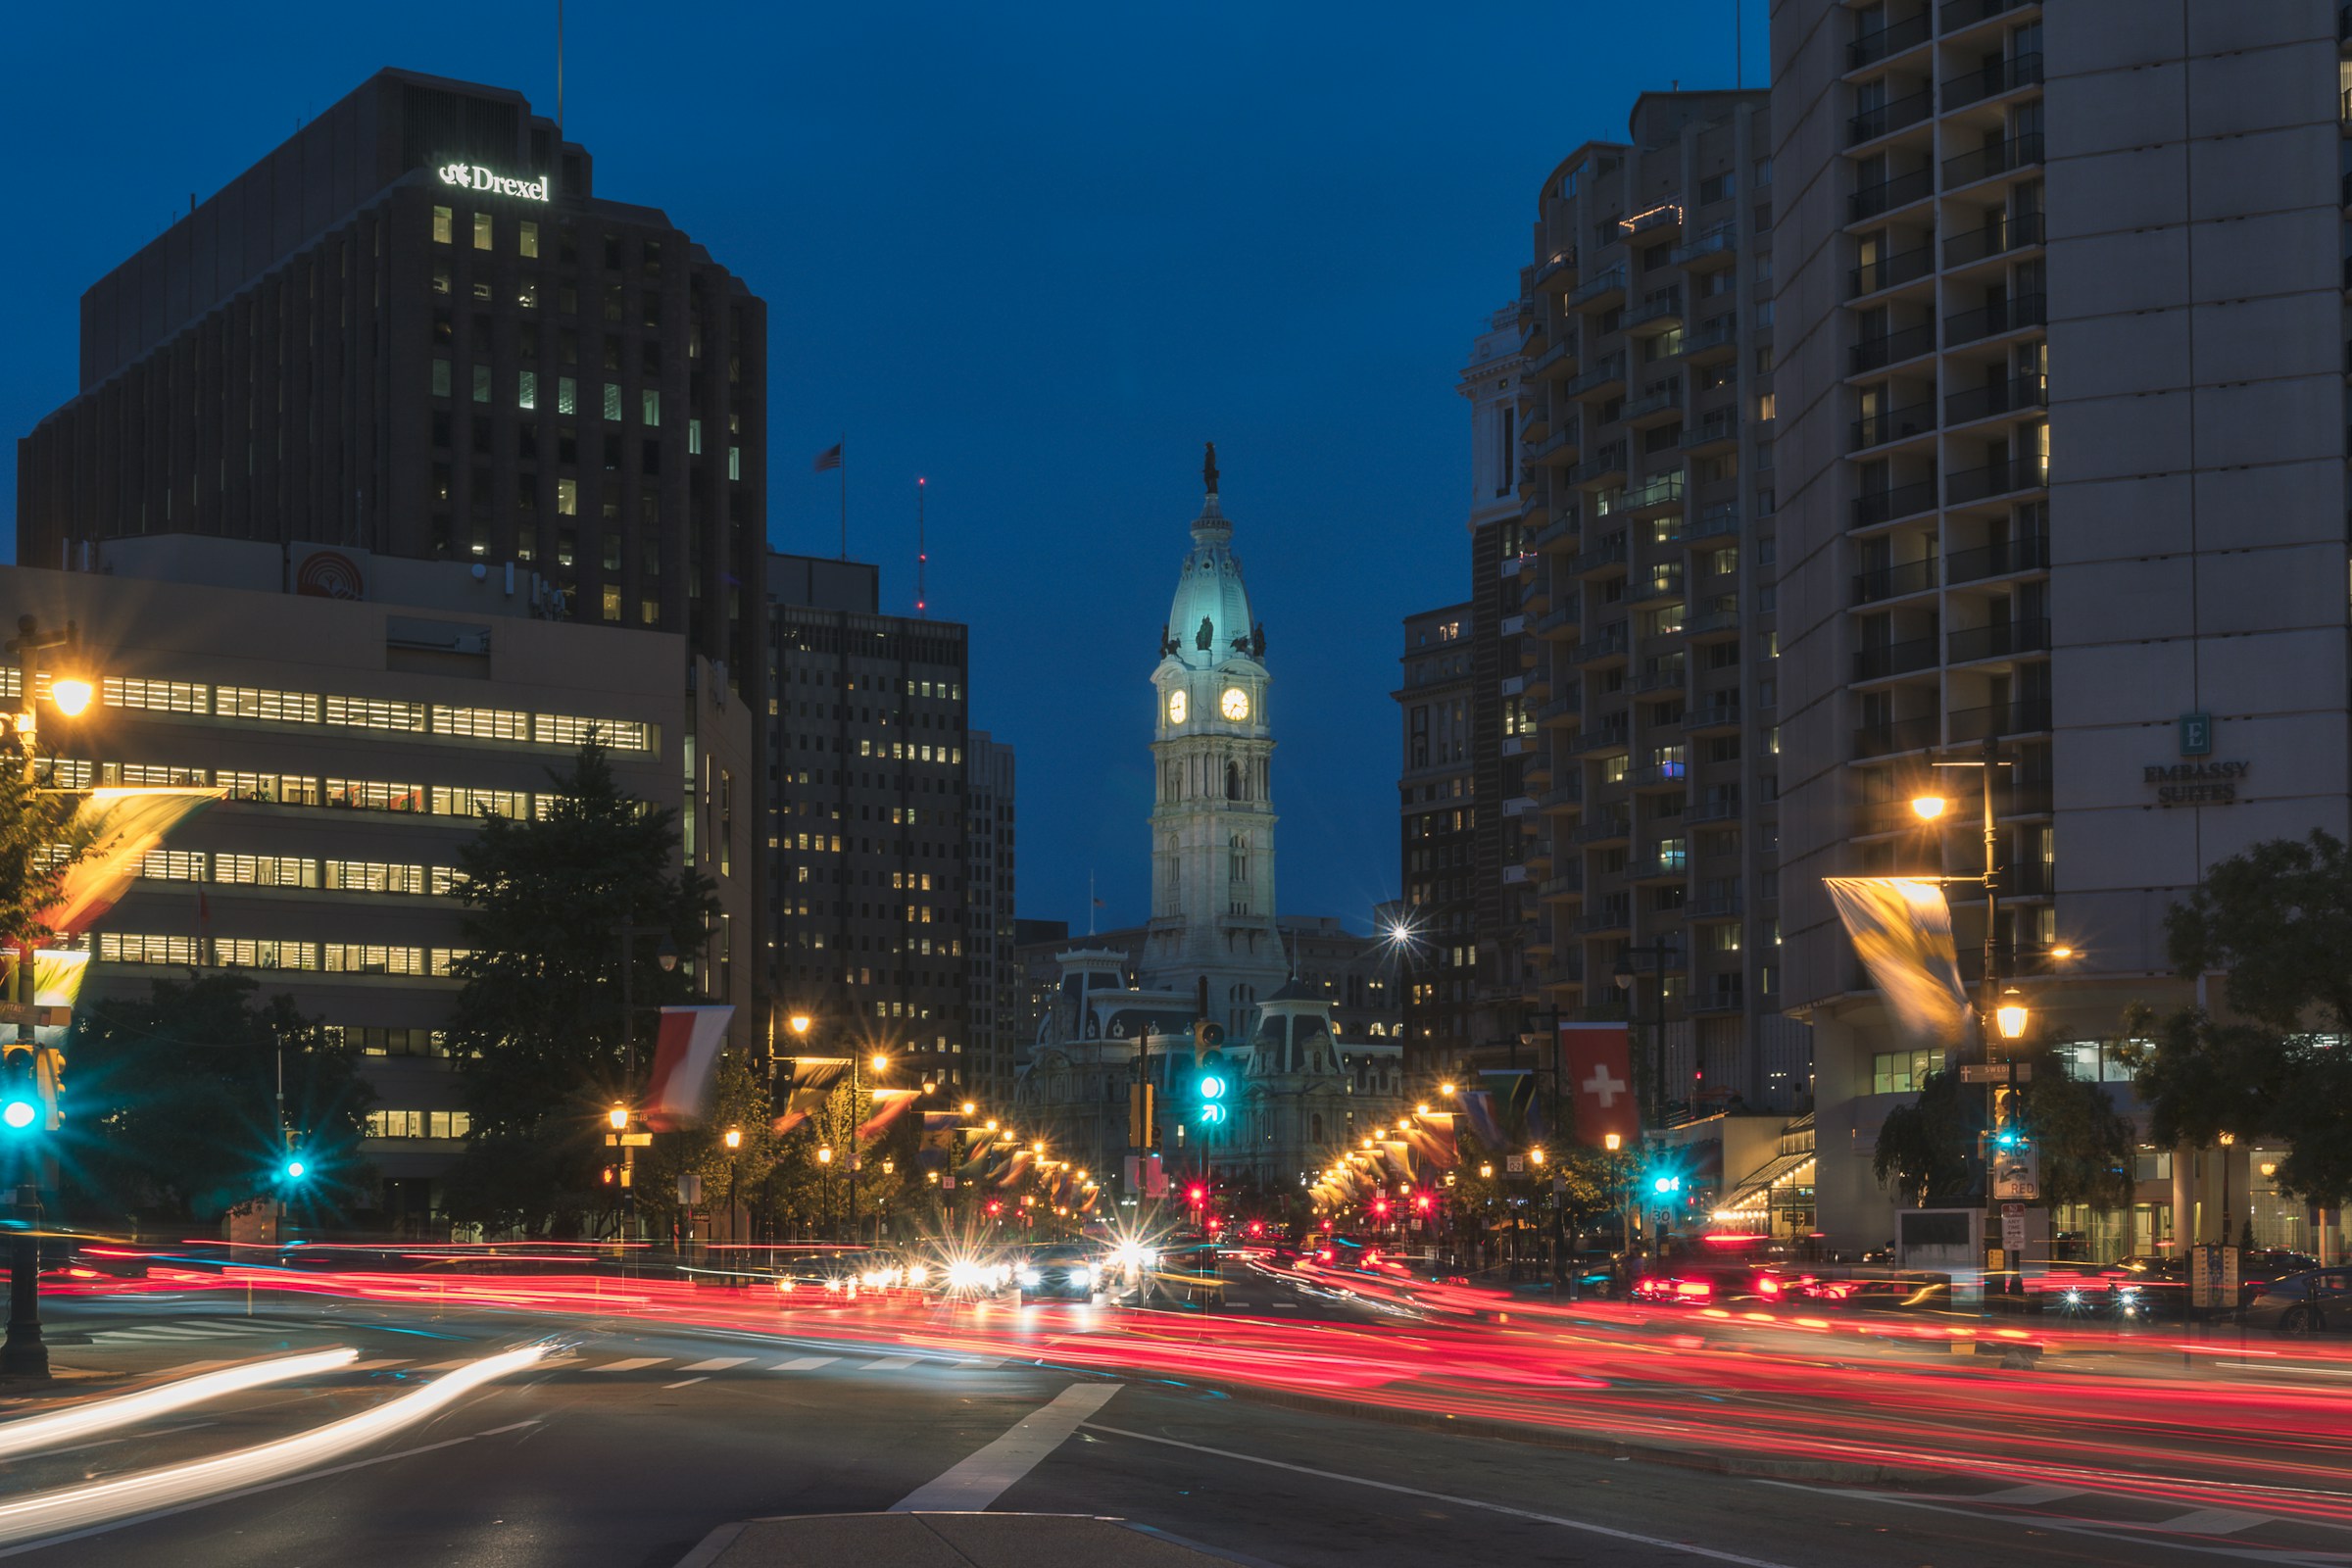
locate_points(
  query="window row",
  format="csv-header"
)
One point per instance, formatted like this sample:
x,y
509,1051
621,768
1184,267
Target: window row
x,y
242,953
420,1123
299,871
200,700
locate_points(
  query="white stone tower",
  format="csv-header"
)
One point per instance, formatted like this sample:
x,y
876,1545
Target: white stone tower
x,y
1213,820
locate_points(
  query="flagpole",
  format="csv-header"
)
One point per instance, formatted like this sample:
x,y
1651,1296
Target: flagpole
x,y
845,495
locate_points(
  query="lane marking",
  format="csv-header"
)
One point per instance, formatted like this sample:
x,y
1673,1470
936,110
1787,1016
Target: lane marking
x,y
683,1382
1586,1526
631,1364
2023,1497
982,1477
2211,1522
45,1542
806,1363
718,1363
2103,1530
890,1363
979,1364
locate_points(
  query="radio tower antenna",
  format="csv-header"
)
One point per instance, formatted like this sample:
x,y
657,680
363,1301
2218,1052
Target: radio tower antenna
x,y
923,553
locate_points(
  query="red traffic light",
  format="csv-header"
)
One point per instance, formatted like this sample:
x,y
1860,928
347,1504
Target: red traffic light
x,y
1196,1194
1422,1202
994,1206
1215,1224
1380,1206
1258,1227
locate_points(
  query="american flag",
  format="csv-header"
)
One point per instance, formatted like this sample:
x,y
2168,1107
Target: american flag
x,y
830,457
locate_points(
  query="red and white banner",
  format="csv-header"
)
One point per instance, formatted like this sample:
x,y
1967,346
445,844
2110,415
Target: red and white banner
x,y
685,1060
1598,1073
888,1104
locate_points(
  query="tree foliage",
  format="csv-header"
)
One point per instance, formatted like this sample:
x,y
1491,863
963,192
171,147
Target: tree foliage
x,y
171,1104
538,1031
2277,920
1928,1151
39,841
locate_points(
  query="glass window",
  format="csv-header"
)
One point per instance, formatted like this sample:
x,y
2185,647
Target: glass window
x,y
443,221
530,238
651,406
526,389
568,395
613,400
612,601
481,232
481,384
440,378
568,498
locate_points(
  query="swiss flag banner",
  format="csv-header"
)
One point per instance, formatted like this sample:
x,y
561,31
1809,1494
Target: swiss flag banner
x,y
685,1054
1599,1078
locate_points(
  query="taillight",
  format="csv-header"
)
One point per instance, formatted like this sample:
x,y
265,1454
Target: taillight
x,y
1694,1289
1766,1285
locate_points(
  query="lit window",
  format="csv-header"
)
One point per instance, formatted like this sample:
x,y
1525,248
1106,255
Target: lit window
x,y
526,389
530,238
694,437
481,232
612,601
481,384
442,221
652,404
734,463
613,402
649,610
568,395
568,498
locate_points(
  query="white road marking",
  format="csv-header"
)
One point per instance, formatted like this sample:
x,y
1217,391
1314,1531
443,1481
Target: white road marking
x,y
718,1363
890,1363
981,1479
631,1364
2102,1529
806,1363
2211,1522
2027,1496
682,1382
979,1364
1588,1527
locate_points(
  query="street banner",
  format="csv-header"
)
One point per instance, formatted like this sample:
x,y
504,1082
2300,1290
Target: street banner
x,y
888,1106
1431,1133
1901,929
685,1059
1400,1159
1481,1111
1596,1071
806,1083
1015,1167
120,826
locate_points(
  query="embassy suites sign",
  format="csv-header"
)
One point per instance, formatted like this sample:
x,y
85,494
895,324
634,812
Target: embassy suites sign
x,y
2199,783
473,177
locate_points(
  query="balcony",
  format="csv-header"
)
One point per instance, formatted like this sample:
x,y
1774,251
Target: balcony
x,y
1608,737
1559,710
1669,677
1610,917
1960,14
1894,582
1604,466
1895,425
1901,735
1968,485
1714,715
1655,406
1661,490
2011,396
1569,884
1608,646
1602,829
1717,809
1890,272
1990,321
1895,114
1891,39
1998,158
2001,719
1877,353
1611,552
1562,799
1898,500
1659,866
1994,78
1713,906
1887,195
1714,248
2028,554
1550,357
1661,582
1598,290
2003,639
1608,375
1715,339
1717,430
1557,442
1558,531
1664,308
1666,215
1712,624
1562,264
1894,658
1715,522
1558,626
1996,238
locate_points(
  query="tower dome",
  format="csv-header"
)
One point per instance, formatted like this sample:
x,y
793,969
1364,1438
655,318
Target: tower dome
x,y
1210,622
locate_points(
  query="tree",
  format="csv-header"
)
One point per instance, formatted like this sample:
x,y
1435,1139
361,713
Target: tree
x,y
739,1098
40,840
181,1092
538,1032
1928,1151
2276,919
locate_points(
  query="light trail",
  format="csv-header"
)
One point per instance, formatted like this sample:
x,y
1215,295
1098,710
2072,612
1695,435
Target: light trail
x,y
101,1416
49,1514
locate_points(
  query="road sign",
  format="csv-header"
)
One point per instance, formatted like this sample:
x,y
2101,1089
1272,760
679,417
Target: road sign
x,y
2017,1174
2013,1227
628,1140
1514,1163
34,1016
1996,1072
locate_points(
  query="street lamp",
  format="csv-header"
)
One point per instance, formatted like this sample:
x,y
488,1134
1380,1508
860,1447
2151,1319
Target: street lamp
x,y
734,1138
1929,807
618,1116
2012,1015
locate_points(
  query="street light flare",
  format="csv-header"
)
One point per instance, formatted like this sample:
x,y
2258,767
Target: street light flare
x,y
1929,806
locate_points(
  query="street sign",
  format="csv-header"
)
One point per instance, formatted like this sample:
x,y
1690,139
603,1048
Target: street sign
x,y
2017,1174
946,1182
628,1140
34,1016
2013,1227
1996,1072
2212,1276
1514,1163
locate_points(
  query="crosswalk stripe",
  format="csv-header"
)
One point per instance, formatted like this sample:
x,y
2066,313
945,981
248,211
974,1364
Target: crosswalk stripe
x,y
889,1363
2210,1522
806,1363
682,1382
979,1364
2027,1496
718,1363
631,1364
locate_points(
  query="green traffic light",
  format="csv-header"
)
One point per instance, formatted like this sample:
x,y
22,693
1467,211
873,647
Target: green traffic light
x,y
19,1113
295,1169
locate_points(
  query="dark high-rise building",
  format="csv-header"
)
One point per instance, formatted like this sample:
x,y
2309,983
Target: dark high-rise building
x,y
867,902
414,328
996,980
1437,949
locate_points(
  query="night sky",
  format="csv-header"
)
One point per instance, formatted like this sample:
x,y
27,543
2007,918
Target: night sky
x,y
1035,253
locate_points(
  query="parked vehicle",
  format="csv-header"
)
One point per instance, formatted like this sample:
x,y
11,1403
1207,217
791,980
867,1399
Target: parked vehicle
x,y
2296,1306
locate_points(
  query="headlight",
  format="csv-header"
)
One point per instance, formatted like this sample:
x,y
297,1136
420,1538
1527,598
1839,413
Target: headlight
x,y
1082,1276
963,1276
2073,1297
917,1276
1028,1276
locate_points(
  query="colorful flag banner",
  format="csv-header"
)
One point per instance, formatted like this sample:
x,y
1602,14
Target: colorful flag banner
x,y
1901,929
1595,1065
1015,1167
1400,1159
888,1106
120,827
685,1059
1480,1111
805,1084
1434,1140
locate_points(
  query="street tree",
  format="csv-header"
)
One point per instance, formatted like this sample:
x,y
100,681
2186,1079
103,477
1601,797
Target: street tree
x,y
1928,1151
538,1031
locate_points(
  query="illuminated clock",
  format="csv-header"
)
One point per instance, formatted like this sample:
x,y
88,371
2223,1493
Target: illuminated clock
x,y
1236,705
1176,707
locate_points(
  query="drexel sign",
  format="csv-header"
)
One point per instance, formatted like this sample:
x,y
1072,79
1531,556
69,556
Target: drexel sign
x,y
473,177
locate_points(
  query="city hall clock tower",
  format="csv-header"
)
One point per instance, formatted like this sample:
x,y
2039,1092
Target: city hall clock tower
x,y
1212,816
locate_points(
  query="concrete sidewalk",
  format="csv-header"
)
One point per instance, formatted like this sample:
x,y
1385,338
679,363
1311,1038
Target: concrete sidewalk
x,y
947,1540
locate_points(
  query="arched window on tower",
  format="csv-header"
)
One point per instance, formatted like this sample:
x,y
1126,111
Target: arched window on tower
x,y
1236,874
1171,877
1232,781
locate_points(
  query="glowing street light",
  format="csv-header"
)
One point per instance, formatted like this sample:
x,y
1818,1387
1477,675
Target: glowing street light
x,y
734,1138
617,1117
799,1023
2012,1015
1929,807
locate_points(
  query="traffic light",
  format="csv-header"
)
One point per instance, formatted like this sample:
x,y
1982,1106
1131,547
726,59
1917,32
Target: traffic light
x,y
1206,1037
1142,1117
1380,1207
294,1168
1423,1202
994,1206
1213,1087
1258,1227
20,1089
1665,1184
1196,1194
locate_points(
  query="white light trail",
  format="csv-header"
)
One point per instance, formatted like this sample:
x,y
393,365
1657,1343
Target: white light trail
x,y
49,1514
100,1415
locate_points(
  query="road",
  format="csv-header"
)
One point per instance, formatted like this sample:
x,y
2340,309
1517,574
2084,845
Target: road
x,y
663,1421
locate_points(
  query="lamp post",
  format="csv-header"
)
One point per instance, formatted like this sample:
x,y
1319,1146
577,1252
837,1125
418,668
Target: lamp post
x,y
23,1355
881,1064
667,956
824,1164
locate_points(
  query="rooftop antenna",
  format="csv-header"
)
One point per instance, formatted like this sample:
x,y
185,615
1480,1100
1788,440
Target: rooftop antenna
x,y
922,554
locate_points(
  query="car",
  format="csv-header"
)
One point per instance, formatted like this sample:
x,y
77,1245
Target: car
x,y
2296,1306
1060,1273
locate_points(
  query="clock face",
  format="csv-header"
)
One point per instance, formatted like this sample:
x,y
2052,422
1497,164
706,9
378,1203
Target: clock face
x,y
1236,704
1176,707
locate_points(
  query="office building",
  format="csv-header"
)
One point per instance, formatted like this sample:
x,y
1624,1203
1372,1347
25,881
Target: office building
x,y
414,328
996,1008
1433,929
2062,473
1640,757
360,735
869,819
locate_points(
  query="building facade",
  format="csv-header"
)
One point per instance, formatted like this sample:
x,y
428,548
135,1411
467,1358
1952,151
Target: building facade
x,y
869,819
2061,467
1637,583
994,1038
414,328
1435,927
358,742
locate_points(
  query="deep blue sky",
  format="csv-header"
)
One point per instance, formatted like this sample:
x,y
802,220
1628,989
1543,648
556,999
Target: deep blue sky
x,y
1037,253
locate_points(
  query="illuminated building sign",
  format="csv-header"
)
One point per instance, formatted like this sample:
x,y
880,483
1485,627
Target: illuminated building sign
x,y
473,177
2196,783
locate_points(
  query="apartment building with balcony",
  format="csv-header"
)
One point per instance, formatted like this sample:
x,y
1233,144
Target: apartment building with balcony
x,y
1640,573
2061,464
1437,948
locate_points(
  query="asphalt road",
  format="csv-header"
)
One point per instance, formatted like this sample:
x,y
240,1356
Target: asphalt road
x,y
648,1434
